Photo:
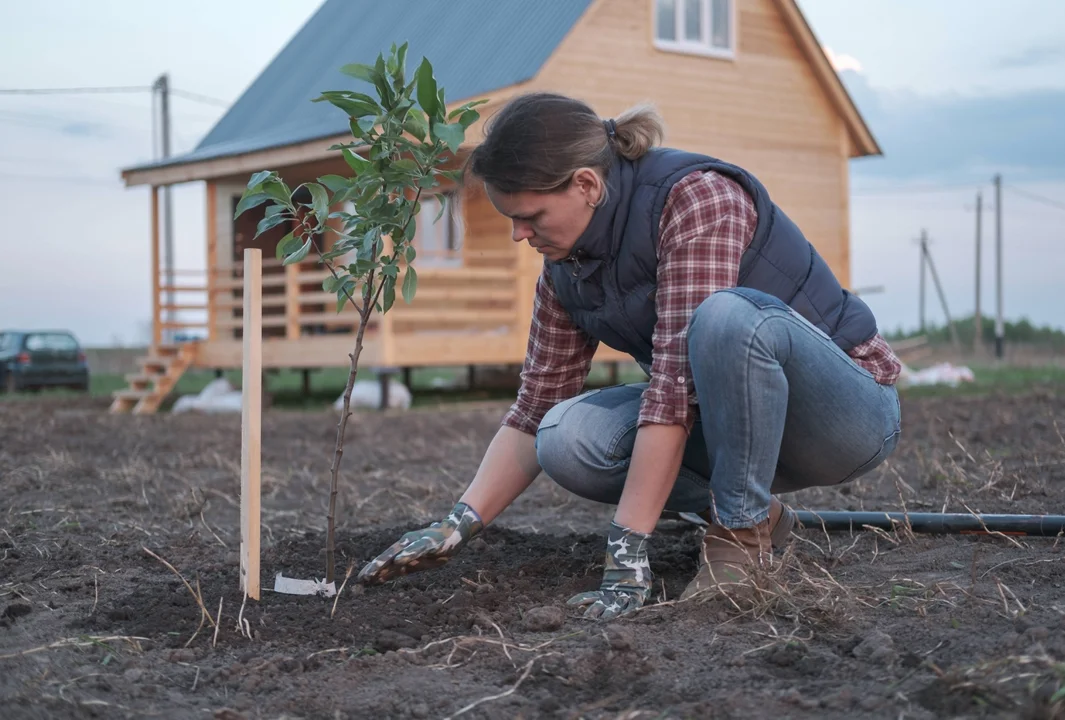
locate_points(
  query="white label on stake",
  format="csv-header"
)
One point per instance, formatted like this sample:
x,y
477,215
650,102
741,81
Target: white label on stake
x,y
294,586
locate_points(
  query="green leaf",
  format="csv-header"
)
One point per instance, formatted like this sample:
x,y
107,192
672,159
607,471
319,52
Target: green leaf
x,y
356,162
286,245
464,107
407,166
451,135
361,267
299,255
388,296
454,175
258,178
401,63
427,93
367,124
342,300
408,232
381,82
416,124
409,253
443,208
427,182
319,200
359,71
270,221
335,183
410,284
248,201
468,118
391,271
278,190
352,106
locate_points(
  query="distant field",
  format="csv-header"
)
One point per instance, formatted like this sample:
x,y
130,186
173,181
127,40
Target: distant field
x,y
432,386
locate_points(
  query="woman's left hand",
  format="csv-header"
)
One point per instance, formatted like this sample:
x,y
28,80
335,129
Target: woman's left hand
x,y
627,577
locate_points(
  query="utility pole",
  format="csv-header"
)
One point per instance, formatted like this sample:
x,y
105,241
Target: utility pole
x,y
939,291
1000,330
978,318
162,86
924,254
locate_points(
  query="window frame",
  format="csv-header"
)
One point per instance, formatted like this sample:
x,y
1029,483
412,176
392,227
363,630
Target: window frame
x,y
693,47
451,224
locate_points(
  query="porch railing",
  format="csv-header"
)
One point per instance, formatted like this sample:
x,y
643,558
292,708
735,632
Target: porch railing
x,y
456,293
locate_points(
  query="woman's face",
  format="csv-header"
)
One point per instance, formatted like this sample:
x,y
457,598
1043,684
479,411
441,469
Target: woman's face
x,y
551,222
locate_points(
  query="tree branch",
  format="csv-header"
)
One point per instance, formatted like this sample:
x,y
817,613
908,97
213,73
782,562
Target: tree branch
x,y
332,270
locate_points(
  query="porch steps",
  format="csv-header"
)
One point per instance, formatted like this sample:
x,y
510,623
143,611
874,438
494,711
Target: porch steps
x,y
159,373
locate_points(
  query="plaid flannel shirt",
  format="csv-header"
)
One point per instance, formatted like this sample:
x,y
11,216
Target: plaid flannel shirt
x,y
706,224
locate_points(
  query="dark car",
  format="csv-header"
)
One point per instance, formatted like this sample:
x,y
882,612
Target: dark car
x,y
41,358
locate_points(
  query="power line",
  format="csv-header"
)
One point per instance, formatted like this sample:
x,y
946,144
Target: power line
x,y
916,189
73,91
195,97
1036,197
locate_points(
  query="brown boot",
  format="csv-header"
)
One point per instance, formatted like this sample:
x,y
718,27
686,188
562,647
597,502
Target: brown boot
x,y
728,555
782,521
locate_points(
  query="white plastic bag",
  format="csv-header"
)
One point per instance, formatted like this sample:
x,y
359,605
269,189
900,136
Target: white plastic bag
x,y
367,394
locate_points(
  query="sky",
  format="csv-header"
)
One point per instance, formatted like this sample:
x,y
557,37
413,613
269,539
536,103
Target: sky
x,y
955,91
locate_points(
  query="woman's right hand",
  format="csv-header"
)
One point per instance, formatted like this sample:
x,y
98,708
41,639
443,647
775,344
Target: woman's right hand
x,y
424,549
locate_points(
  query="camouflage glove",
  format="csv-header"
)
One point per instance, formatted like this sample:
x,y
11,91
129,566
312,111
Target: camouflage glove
x,y
424,549
627,576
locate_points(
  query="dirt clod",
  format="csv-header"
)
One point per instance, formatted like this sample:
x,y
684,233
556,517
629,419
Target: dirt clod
x,y
543,619
388,640
621,638
876,647
16,610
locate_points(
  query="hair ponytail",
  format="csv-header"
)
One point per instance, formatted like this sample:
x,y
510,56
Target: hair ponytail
x,y
537,141
637,130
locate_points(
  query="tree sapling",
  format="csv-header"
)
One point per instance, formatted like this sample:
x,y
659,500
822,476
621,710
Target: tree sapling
x,y
403,135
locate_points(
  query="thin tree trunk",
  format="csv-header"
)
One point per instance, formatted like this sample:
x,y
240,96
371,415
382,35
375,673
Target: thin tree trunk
x,y
338,451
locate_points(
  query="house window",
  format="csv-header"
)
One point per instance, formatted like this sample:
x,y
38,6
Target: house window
x,y
439,239
703,27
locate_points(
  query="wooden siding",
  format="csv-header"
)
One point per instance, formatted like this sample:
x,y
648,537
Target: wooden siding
x,y
765,110
487,240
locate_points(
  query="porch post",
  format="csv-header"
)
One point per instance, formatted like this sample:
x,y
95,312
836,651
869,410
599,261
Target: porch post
x,y
212,257
292,301
157,325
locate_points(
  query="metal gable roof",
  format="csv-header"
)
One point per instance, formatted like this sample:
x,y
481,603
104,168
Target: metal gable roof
x,y
475,46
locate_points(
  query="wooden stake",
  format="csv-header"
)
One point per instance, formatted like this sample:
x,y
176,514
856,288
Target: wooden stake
x,y
251,422
157,321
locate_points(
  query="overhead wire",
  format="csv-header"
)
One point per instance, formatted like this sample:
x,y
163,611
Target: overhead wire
x,y
1036,197
177,92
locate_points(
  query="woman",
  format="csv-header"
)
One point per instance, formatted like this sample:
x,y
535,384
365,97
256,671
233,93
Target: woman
x,y
765,376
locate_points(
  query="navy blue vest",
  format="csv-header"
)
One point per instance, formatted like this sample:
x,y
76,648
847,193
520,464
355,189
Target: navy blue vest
x,y
607,284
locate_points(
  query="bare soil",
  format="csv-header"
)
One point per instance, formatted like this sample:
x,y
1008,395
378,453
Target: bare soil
x,y
850,625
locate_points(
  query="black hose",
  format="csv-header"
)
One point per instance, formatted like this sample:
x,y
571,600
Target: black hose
x,y
935,523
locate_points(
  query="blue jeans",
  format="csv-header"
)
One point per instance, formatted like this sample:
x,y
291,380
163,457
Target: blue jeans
x,y
781,408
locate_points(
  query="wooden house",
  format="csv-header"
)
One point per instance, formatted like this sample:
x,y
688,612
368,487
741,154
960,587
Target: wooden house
x,y
744,80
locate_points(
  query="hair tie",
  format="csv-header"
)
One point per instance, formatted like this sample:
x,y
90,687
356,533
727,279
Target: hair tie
x,y
611,128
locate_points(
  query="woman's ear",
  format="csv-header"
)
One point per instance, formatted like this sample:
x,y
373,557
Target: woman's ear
x,y
589,185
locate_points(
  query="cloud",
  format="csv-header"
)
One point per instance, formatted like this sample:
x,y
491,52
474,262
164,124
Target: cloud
x,y
83,129
957,138
1035,56
842,62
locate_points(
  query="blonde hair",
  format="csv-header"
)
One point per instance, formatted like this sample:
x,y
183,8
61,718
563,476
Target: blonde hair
x,y
537,141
